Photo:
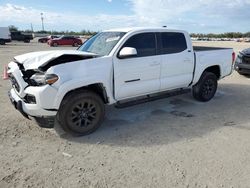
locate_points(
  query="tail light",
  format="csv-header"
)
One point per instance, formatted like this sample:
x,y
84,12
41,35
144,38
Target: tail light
x,y
233,57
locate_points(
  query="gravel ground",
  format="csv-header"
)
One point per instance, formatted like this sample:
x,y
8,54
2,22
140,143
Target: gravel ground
x,y
173,142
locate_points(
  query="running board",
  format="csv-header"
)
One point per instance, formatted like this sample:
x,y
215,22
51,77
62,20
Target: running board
x,y
152,97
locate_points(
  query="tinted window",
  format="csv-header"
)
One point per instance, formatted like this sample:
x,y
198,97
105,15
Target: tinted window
x,y
173,43
144,43
67,37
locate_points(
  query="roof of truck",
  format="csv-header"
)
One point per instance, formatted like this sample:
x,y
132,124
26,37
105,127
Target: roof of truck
x,y
132,29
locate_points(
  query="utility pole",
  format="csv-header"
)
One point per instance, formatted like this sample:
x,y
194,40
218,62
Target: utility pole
x,y
42,18
31,26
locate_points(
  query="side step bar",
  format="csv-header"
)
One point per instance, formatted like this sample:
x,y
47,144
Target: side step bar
x,y
152,97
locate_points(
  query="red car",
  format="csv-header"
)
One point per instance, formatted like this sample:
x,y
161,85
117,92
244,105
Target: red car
x,y
46,39
65,40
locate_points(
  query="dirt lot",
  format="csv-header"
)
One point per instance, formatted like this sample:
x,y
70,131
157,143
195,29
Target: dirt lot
x,y
174,142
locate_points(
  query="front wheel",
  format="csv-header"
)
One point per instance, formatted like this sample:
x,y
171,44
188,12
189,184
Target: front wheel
x,y
55,44
81,113
206,88
75,44
2,42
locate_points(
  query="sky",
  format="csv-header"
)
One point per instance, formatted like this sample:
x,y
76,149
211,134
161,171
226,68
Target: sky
x,y
198,16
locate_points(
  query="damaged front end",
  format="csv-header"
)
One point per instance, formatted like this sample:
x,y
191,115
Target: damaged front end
x,y
32,92
35,74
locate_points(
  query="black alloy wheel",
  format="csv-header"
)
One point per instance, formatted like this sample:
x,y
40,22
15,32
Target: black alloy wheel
x,y
81,113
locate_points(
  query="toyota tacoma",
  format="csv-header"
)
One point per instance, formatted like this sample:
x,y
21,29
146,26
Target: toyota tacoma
x,y
118,67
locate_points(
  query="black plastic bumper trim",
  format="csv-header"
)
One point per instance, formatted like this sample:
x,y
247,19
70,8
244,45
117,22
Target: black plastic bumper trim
x,y
18,105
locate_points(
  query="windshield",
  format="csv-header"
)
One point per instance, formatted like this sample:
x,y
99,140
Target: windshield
x,y
102,43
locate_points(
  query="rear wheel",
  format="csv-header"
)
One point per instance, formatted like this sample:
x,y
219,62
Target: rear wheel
x,y
81,112
205,89
75,44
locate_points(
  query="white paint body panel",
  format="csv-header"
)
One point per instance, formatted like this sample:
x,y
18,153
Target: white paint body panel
x,y
34,60
136,76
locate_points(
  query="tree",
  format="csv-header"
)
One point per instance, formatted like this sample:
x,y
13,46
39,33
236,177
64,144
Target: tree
x,y
13,28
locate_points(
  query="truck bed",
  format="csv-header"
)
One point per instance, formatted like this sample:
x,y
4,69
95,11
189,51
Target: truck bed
x,y
207,48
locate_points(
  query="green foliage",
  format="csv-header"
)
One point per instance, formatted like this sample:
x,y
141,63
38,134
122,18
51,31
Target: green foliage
x,y
221,35
83,32
13,28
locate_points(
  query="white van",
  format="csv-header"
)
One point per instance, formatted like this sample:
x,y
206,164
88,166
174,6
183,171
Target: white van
x,y
4,35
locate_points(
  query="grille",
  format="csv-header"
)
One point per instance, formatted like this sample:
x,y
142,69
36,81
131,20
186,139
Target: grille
x,y
14,83
246,60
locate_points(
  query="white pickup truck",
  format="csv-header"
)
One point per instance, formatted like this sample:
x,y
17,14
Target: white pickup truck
x,y
120,66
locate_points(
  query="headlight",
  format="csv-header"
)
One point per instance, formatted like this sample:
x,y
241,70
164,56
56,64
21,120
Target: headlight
x,y
238,59
43,79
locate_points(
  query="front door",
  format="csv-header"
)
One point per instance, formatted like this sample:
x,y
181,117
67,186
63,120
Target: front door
x,y
140,75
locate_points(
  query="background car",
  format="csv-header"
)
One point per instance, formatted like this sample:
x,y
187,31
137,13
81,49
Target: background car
x,y
65,40
45,39
242,63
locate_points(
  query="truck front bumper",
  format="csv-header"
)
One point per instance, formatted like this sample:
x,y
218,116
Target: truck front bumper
x,y
242,68
33,110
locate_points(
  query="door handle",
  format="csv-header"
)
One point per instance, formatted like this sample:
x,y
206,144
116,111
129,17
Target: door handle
x,y
187,60
155,64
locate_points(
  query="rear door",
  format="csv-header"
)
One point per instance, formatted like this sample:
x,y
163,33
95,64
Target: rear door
x,y
70,40
140,75
177,60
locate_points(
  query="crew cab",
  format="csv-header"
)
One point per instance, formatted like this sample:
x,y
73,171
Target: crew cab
x,y
65,40
114,67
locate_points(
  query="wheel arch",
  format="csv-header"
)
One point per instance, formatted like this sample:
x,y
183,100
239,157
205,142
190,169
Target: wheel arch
x,y
214,69
97,88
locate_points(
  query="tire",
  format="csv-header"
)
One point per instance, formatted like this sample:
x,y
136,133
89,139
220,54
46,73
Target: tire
x,y
81,113
206,87
26,41
55,44
2,42
75,44
45,122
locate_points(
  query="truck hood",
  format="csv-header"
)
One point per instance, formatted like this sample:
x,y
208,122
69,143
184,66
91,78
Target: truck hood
x,y
34,60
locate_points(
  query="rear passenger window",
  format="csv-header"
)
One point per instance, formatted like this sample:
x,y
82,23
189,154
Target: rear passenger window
x,y
173,43
144,43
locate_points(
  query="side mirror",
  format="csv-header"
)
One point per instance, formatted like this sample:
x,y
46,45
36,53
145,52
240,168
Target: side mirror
x,y
127,52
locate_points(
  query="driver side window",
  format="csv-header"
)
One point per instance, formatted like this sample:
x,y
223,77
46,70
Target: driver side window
x,y
144,43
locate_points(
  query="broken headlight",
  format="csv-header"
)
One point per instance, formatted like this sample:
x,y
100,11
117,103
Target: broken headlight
x,y
42,79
